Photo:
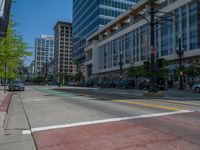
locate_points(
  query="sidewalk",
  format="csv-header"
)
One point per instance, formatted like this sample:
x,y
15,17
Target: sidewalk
x,y
5,99
1,93
2,114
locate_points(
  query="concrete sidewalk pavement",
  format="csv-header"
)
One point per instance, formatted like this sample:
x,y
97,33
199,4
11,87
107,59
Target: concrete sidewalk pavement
x,y
5,99
11,138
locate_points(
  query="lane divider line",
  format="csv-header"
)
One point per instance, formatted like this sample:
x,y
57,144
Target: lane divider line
x,y
25,132
148,105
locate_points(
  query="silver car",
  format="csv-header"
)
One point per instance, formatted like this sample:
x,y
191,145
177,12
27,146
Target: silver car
x,y
196,88
16,86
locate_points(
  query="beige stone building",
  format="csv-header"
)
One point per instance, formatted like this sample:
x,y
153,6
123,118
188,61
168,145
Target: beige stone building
x,y
63,64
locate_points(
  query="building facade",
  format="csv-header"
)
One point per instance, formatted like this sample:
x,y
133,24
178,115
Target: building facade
x,y
44,52
89,16
32,69
63,64
128,37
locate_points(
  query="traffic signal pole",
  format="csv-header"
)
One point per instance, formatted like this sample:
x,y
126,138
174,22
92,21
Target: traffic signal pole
x,y
152,41
180,54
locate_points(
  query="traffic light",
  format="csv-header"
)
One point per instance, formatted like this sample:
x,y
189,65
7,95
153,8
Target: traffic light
x,y
146,65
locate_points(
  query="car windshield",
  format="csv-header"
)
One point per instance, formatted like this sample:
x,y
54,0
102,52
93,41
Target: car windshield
x,y
17,82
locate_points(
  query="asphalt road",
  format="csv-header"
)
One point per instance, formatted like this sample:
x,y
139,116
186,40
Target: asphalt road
x,y
94,119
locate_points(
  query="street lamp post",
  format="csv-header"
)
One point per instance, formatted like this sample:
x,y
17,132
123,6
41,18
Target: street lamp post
x,y
120,64
180,53
5,75
46,72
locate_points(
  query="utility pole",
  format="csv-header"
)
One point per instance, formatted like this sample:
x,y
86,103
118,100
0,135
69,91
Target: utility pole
x,y
180,53
152,41
120,64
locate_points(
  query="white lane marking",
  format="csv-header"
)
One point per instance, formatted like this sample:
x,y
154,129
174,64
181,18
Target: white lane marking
x,y
25,132
40,99
79,88
102,121
79,97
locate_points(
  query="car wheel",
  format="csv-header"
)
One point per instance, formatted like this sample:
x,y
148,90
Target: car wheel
x,y
197,90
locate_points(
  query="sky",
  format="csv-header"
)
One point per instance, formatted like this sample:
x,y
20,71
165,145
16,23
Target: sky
x,y
36,17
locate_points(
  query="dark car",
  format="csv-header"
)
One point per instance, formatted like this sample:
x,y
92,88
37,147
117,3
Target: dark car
x,y
127,84
89,83
16,86
144,85
161,84
110,84
196,88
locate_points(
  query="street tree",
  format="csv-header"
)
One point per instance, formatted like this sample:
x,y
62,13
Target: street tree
x,y
192,71
78,76
12,51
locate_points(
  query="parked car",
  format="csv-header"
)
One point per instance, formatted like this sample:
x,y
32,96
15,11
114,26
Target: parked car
x,y
161,84
125,84
71,83
118,84
16,86
110,84
89,83
196,88
144,85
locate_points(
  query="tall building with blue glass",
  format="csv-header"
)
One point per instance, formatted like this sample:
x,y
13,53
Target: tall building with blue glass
x,y
89,16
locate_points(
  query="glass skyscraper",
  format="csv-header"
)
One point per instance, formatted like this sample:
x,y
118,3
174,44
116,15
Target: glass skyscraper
x,y
44,52
89,16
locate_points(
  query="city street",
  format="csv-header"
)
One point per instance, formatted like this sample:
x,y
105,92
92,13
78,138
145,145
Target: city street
x,y
100,75
73,118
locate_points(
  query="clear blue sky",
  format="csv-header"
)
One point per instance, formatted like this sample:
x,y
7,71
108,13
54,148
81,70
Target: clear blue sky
x,y
36,17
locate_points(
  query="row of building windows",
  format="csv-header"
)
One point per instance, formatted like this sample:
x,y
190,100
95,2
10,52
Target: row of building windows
x,y
135,46
44,42
117,4
87,20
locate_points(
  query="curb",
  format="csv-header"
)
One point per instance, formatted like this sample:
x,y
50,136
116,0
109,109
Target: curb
x,y
4,106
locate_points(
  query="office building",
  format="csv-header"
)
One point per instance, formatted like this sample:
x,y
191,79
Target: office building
x,y
128,37
44,52
32,69
89,16
63,64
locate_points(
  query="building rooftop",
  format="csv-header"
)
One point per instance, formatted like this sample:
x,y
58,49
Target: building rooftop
x,y
63,22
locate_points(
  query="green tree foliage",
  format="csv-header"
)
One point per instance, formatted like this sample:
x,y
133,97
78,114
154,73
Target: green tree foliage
x,y
12,51
78,76
138,71
192,70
